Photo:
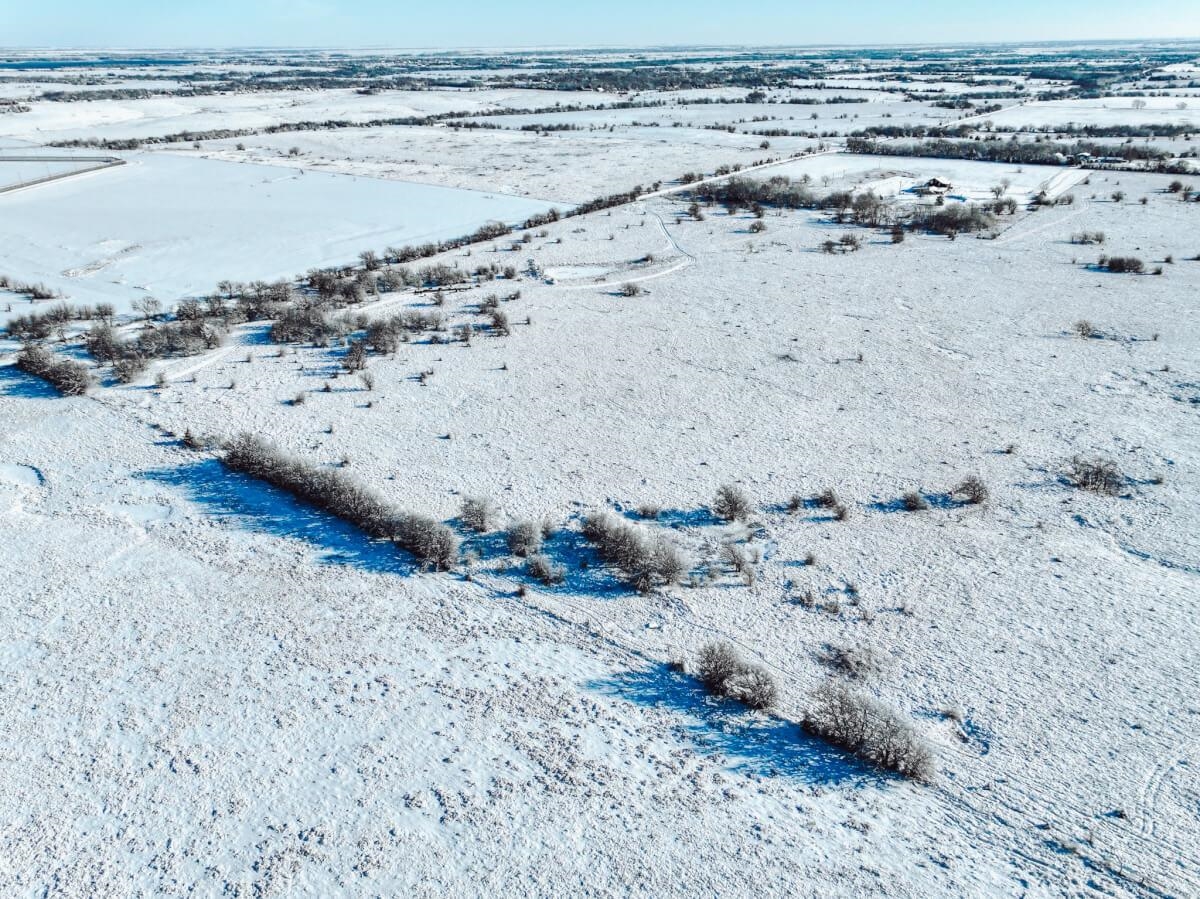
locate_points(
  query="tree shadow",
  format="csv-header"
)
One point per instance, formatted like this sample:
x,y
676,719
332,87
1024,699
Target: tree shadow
x,y
250,503
14,382
585,573
943,501
749,742
675,518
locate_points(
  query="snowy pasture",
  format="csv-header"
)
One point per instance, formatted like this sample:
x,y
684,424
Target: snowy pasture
x,y
172,226
898,176
567,166
157,116
836,117
1101,112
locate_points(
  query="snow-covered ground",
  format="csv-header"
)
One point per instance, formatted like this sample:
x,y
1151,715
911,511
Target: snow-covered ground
x,y
157,116
899,176
825,117
171,226
568,167
1148,111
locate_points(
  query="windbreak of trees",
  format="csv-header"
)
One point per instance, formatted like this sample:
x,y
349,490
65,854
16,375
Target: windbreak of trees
x,y
1011,151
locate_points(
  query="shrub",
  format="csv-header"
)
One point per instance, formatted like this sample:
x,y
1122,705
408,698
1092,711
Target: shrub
x,y
306,323
127,369
952,220
723,672
972,490
860,663
103,344
757,227
645,558
524,538
715,664
478,513
731,503
544,570
1125,264
732,556
629,289
1087,237
1098,475
68,377
649,510
356,357
827,499
914,502
426,538
753,686
870,730
1084,328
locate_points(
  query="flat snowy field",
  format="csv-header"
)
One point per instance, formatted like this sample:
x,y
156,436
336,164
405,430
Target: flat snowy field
x,y
156,116
569,167
1101,112
163,225
889,109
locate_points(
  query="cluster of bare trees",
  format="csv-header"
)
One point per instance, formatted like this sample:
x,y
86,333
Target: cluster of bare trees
x,y
645,557
38,291
40,325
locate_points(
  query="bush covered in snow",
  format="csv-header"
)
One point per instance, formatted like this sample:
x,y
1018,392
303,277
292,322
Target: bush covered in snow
x,y
1125,264
548,572
479,513
971,490
646,558
67,376
1098,475
724,673
871,730
524,538
731,503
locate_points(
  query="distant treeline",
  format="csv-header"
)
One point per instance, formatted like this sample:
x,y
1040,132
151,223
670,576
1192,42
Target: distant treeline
x,y
1013,151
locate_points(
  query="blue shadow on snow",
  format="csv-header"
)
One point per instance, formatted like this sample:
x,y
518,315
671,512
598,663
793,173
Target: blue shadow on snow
x,y
752,743
258,506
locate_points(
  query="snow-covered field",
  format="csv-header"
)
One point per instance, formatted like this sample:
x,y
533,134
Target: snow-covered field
x,y
212,689
157,116
170,226
1147,111
829,117
568,167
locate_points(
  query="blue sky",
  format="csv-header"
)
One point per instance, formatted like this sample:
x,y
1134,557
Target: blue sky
x,y
462,23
